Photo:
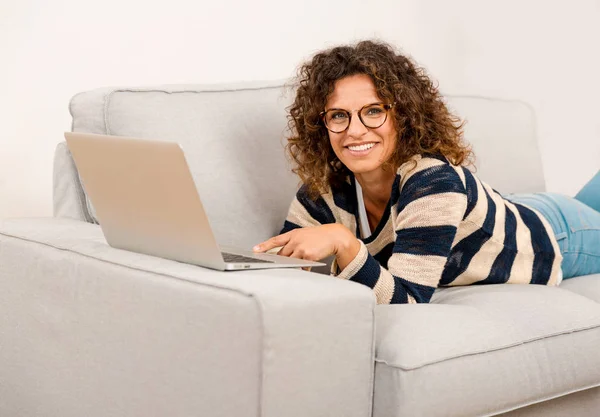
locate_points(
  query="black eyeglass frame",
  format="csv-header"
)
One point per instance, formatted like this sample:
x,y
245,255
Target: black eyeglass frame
x,y
386,107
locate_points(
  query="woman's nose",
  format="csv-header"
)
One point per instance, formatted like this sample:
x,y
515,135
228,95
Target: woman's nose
x,y
356,127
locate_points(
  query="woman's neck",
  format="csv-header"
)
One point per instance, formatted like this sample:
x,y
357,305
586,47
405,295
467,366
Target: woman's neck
x,y
376,187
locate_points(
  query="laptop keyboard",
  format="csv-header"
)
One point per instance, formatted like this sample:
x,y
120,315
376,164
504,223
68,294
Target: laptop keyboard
x,y
231,258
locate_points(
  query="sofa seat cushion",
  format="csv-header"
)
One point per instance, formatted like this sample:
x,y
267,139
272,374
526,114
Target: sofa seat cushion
x,y
588,286
483,350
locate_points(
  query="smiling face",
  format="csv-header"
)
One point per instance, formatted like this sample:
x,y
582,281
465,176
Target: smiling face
x,y
361,149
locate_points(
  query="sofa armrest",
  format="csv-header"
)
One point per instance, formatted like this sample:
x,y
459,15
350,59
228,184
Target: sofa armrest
x,y
86,329
69,200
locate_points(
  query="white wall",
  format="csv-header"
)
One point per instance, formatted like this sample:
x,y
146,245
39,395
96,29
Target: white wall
x,y
545,53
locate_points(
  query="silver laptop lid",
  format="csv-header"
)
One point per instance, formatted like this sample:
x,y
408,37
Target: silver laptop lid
x,y
145,197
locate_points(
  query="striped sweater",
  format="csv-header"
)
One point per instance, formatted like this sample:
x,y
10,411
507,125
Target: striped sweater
x,y
442,227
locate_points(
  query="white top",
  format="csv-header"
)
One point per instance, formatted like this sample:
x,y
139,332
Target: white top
x,y
363,220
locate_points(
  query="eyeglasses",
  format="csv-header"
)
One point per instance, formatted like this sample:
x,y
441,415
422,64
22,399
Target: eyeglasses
x,y
372,116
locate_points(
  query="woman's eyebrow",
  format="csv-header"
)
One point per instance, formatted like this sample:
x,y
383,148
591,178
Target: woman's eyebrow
x,y
375,101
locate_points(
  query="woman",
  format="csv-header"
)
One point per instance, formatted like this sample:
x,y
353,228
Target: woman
x,y
387,192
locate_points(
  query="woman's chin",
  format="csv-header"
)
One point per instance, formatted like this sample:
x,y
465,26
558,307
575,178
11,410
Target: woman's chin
x,y
362,167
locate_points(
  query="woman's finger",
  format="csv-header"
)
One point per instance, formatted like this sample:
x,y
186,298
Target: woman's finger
x,y
301,254
279,240
274,251
287,250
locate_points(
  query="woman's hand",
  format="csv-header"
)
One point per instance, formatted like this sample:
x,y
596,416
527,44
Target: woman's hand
x,y
315,243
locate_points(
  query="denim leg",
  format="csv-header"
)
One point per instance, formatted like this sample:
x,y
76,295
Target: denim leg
x,y
590,193
576,227
582,256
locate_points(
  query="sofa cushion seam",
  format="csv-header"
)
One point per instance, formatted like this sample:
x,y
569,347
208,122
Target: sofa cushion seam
x,y
392,365
81,195
248,294
371,401
262,374
108,97
539,401
222,90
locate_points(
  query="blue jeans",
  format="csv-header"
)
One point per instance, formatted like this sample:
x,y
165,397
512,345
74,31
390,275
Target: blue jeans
x,y
576,225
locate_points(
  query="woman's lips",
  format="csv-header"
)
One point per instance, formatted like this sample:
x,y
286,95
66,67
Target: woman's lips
x,y
361,152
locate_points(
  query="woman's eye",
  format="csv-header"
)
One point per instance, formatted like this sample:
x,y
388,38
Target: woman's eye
x,y
338,116
373,111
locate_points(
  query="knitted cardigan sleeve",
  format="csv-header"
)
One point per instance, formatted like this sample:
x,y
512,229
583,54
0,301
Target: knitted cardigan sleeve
x,y
426,210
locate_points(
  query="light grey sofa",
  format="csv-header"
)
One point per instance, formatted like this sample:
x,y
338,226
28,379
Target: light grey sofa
x,y
88,330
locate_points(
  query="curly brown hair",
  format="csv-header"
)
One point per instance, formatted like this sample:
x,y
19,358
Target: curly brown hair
x,y
422,120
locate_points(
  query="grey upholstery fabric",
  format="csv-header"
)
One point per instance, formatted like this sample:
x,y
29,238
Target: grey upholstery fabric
x,y
502,134
68,196
482,350
579,404
587,286
89,330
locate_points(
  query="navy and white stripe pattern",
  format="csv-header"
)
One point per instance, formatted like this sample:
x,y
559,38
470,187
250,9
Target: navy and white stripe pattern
x,y
443,227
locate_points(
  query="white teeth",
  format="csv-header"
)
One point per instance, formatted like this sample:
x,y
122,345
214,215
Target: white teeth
x,y
361,147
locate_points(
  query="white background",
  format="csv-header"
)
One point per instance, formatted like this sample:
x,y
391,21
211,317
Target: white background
x,y
544,52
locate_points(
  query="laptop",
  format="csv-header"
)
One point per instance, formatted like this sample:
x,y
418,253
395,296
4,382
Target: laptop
x,y
146,201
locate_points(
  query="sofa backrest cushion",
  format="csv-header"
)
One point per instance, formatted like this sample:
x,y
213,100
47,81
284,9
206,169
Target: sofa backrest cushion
x,y
234,137
504,140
